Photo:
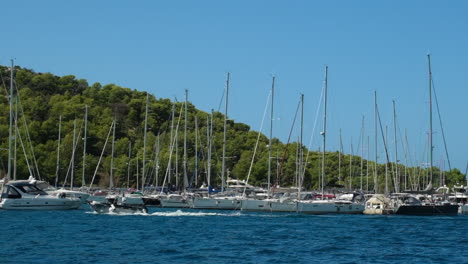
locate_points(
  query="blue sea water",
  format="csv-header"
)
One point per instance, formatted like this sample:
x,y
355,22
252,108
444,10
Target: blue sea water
x,y
197,236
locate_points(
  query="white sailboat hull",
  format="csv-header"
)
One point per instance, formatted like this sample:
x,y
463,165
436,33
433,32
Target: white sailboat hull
x,y
329,207
175,202
219,203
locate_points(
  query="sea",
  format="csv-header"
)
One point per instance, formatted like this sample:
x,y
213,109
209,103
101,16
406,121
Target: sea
x,y
205,236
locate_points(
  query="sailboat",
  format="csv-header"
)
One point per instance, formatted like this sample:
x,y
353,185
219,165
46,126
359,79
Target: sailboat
x,y
25,194
178,200
412,204
345,204
223,200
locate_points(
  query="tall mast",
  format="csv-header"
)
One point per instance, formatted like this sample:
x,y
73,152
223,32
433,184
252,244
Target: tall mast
x,y
143,175
111,179
376,184
430,119
386,163
339,158
299,179
158,149
184,163
83,183
209,131
129,163
73,156
58,152
367,164
397,178
195,172
362,152
10,134
17,134
223,166
324,132
351,166
270,147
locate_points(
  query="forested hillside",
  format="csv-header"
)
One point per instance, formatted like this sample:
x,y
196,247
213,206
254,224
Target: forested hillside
x,y
44,99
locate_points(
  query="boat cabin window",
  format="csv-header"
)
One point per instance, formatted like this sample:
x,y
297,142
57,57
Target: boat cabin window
x,y
31,189
10,192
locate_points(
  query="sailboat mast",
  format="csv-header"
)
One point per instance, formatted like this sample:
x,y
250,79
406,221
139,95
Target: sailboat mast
x,y
158,151
397,178
83,183
339,158
58,152
209,131
430,118
195,172
111,179
376,184
184,163
270,147
73,156
129,163
299,178
362,152
324,129
223,166
10,135
386,163
143,175
367,164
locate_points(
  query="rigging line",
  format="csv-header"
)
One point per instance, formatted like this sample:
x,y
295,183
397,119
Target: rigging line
x,y
24,151
28,137
312,135
171,151
385,143
441,126
256,144
221,101
102,153
286,146
73,154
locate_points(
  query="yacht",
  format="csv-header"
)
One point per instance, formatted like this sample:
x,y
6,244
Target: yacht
x,y
410,204
349,203
45,186
26,195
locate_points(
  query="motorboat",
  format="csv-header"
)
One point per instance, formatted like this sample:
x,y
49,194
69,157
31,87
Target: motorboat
x,y
26,195
45,186
120,205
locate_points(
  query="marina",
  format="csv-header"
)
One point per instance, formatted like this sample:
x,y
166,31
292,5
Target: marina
x,y
217,132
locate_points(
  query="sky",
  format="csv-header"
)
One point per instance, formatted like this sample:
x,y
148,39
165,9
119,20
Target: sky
x,y
165,47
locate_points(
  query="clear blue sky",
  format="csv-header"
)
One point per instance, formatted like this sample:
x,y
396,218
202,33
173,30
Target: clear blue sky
x,y
165,47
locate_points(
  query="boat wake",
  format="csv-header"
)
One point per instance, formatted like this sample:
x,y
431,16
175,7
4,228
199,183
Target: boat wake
x,y
182,213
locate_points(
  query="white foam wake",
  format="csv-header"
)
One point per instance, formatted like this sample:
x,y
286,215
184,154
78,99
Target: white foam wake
x,y
182,213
